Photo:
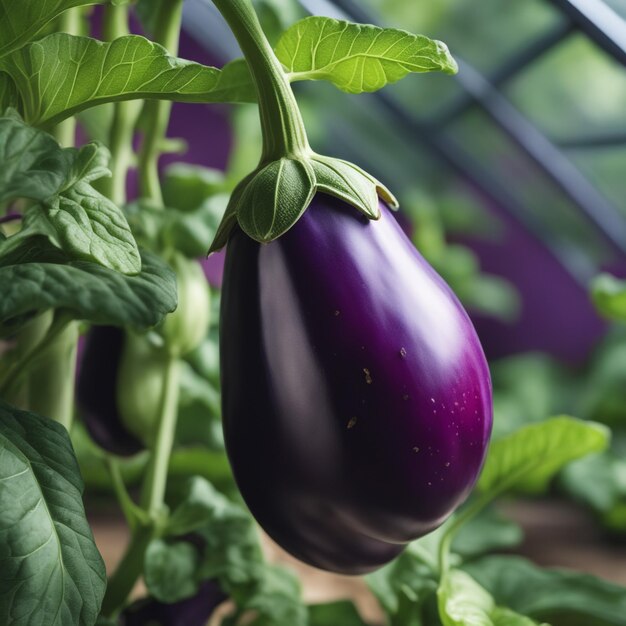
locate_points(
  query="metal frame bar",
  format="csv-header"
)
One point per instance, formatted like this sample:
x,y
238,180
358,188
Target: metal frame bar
x,y
599,22
600,211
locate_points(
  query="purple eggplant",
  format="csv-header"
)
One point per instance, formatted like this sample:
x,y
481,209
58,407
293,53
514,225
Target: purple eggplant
x,y
357,400
96,391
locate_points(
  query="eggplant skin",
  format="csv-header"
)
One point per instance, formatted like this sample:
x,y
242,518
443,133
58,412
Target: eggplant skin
x,y
357,399
96,391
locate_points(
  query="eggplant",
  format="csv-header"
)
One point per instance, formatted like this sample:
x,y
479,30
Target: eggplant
x,y
357,399
96,391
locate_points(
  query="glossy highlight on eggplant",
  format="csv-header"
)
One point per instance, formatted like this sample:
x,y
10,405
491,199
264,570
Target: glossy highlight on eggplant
x,y
357,399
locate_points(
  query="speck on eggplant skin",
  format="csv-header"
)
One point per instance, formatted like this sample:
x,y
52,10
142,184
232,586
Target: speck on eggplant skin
x,y
348,499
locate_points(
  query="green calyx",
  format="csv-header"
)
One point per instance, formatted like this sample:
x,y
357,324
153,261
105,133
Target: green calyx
x,y
270,200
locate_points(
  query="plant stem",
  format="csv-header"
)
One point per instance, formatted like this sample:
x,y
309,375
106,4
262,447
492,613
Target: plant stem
x,y
152,498
51,378
125,116
157,112
284,133
132,513
31,354
446,541
128,571
69,22
153,493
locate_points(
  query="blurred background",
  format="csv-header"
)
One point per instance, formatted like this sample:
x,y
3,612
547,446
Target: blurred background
x,y
512,183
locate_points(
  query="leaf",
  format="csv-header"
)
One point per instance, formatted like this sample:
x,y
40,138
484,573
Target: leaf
x,y
62,74
201,505
274,198
169,570
187,187
531,456
189,232
561,597
70,213
34,166
403,587
21,20
463,602
199,411
342,613
358,58
91,292
52,572
276,599
609,296
347,182
486,532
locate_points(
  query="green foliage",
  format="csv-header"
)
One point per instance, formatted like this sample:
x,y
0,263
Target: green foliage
x,y
275,198
333,614
61,74
186,187
169,570
52,571
69,211
358,58
89,291
463,602
488,531
527,459
187,231
21,21
563,598
230,554
609,296
406,587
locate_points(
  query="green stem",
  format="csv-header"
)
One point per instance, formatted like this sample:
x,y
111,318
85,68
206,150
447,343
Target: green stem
x,y
157,112
152,499
69,22
125,116
284,133
446,541
132,513
51,377
153,493
128,572
20,367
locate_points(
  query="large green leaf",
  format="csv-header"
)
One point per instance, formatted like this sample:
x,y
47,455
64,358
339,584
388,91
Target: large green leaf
x,y
358,57
463,602
561,597
62,74
609,296
90,292
527,459
70,212
51,571
21,20
34,166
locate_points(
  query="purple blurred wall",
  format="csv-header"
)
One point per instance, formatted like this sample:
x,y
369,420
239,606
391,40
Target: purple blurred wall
x,y
556,313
